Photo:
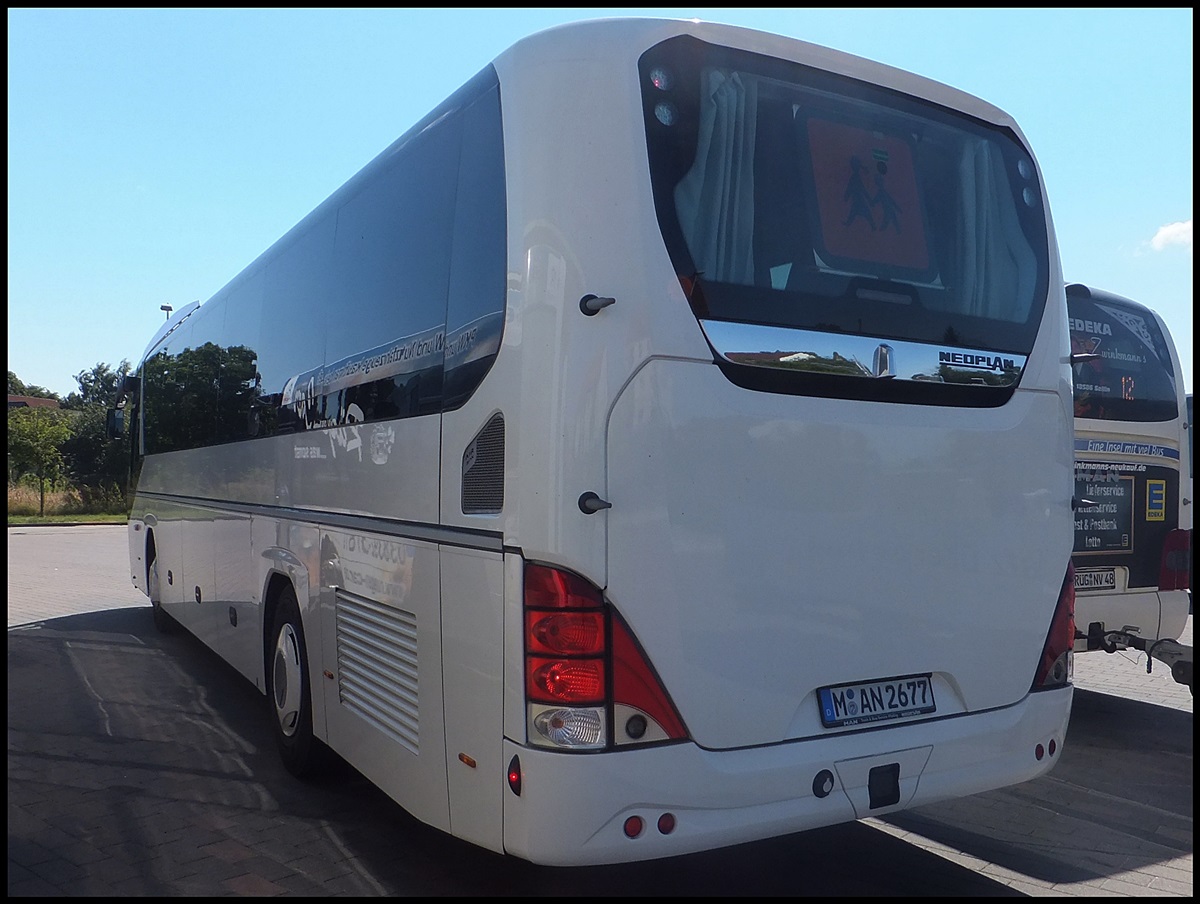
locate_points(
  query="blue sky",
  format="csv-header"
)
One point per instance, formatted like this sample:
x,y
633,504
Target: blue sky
x,y
152,154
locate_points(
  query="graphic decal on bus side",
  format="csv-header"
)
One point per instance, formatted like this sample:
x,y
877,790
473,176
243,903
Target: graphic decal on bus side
x,y
303,392
1122,447
401,378
1107,524
370,566
1135,324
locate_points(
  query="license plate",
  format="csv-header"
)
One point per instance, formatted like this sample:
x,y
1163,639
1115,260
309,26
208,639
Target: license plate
x,y
876,701
1096,579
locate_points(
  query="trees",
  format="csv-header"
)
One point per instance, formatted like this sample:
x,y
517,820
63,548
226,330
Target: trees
x,y
16,387
72,442
98,386
35,436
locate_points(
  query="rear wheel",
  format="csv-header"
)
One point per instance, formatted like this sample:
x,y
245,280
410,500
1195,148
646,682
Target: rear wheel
x,y
289,690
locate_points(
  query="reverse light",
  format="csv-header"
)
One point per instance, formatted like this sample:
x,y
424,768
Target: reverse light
x,y
570,727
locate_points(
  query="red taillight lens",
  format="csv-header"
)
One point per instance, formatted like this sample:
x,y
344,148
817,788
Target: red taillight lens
x,y
1054,668
1175,571
565,633
570,681
552,588
566,643
636,685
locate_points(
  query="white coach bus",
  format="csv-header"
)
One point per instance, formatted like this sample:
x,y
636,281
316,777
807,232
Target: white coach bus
x,y
1133,527
665,443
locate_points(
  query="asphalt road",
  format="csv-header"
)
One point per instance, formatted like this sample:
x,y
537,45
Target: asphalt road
x,y
139,764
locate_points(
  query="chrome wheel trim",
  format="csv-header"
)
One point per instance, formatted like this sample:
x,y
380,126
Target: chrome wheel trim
x,y
287,678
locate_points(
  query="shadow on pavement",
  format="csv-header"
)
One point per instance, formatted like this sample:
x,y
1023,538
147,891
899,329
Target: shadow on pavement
x,y
141,764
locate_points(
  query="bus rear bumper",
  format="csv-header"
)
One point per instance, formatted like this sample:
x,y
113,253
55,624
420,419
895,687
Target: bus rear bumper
x,y
576,809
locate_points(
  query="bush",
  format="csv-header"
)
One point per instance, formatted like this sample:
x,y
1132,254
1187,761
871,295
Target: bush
x,y
64,500
85,500
25,500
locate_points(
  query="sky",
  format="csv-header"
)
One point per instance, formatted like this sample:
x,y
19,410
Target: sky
x,y
154,153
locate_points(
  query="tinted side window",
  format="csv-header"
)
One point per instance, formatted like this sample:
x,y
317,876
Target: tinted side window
x,y
166,375
244,410
297,291
475,311
385,329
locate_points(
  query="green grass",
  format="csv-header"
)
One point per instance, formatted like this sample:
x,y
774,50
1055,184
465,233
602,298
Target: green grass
x,y
18,520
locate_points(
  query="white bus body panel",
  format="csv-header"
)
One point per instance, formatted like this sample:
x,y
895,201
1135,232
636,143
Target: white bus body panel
x,y
382,674
566,813
473,607
840,527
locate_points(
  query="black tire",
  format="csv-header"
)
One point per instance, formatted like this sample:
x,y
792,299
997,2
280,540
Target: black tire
x,y
164,623
289,692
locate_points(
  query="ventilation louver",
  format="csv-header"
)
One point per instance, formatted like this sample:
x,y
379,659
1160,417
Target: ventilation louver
x,y
483,470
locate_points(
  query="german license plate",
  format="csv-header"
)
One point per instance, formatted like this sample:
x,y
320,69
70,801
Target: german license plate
x,y
876,701
1096,579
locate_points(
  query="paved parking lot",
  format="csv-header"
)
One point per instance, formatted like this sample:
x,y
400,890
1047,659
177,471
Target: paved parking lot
x,y
140,765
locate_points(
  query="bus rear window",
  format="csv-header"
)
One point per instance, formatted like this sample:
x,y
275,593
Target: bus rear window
x,y
1127,374
797,199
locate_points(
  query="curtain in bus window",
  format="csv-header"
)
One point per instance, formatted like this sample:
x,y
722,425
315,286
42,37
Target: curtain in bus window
x,y
715,200
999,267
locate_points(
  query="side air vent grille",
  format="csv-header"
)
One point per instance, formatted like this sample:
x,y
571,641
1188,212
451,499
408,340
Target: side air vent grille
x,y
377,666
483,470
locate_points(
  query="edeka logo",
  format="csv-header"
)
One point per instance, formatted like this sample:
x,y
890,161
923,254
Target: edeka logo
x,y
1156,500
1091,327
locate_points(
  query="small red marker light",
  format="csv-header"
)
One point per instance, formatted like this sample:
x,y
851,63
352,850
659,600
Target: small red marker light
x,y
514,775
633,826
666,823
1039,752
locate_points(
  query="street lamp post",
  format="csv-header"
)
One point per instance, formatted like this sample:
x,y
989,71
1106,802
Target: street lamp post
x,y
167,308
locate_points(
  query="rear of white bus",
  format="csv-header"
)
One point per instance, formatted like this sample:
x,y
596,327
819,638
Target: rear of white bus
x,y
807,353
1133,525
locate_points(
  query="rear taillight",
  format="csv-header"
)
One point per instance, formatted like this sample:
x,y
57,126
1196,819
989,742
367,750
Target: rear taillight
x,y
1175,572
1055,667
588,684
